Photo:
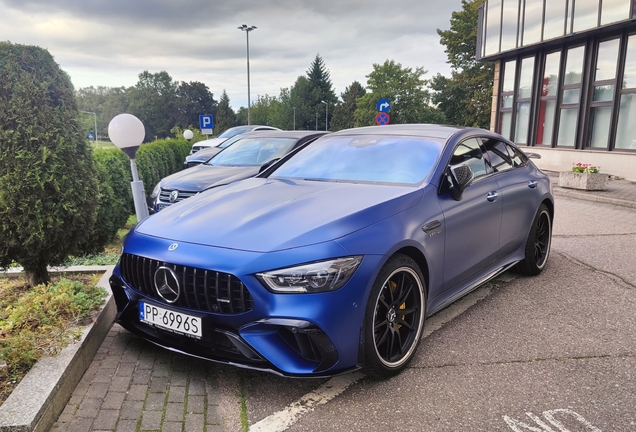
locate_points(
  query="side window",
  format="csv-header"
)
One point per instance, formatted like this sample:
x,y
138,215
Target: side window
x,y
469,153
498,156
518,158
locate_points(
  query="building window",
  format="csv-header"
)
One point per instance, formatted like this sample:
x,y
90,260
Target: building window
x,y
626,130
570,96
524,98
614,10
532,22
510,19
585,15
493,27
554,19
603,88
507,98
548,99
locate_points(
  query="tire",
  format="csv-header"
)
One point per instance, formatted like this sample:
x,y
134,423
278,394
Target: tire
x,y
394,317
538,244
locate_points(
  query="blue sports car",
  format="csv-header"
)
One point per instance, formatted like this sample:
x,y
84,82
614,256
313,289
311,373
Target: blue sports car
x,y
332,259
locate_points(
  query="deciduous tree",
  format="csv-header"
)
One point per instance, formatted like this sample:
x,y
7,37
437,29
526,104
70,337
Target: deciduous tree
x,y
404,88
465,97
343,113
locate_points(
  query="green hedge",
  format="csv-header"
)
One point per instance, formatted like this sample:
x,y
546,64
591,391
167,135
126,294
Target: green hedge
x,y
114,196
112,168
159,159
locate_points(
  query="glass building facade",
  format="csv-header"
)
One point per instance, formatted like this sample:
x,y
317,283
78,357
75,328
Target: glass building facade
x,y
567,71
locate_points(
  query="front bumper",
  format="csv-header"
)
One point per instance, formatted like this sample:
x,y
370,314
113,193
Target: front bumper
x,y
288,334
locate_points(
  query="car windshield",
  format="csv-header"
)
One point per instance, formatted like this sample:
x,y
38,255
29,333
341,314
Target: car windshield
x,y
234,131
229,142
370,158
252,151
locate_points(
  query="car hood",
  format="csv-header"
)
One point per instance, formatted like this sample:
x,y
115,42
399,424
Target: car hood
x,y
201,177
265,215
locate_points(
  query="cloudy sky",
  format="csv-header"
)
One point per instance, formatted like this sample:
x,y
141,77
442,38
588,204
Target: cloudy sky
x,y
109,42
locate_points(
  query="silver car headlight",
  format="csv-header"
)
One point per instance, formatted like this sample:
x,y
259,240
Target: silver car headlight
x,y
313,277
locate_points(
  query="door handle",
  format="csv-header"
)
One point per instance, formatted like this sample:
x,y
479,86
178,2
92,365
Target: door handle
x,y
532,184
492,196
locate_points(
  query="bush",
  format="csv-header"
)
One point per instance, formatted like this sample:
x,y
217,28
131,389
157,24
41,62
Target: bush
x,y
112,168
41,321
159,159
47,197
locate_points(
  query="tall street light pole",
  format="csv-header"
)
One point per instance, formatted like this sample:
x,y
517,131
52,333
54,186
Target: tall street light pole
x,y
294,118
326,112
247,31
95,115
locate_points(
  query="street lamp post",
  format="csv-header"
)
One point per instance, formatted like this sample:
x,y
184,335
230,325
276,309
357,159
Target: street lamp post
x,y
247,31
95,115
326,112
127,133
316,121
294,118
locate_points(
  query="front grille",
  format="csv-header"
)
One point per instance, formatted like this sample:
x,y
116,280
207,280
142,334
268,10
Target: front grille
x,y
164,195
203,290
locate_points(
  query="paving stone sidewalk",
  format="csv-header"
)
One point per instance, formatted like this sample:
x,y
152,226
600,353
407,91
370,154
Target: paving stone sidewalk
x,y
125,391
133,385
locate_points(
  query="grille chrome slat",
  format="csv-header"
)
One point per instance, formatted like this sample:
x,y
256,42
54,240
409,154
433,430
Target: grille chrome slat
x,y
204,290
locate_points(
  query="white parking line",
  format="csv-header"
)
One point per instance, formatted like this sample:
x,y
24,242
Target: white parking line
x,y
280,421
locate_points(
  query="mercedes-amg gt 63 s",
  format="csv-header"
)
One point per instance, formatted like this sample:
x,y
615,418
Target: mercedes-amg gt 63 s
x,y
331,259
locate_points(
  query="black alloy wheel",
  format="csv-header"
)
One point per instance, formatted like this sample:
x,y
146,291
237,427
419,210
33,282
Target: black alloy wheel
x,y
395,317
538,244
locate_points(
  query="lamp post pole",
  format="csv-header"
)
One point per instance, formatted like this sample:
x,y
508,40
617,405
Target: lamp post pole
x,y
326,112
247,31
95,118
294,118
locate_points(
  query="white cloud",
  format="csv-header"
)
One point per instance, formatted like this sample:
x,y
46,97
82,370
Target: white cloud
x,y
109,42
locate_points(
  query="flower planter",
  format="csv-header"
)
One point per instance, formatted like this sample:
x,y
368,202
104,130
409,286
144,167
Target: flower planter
x,y
583,181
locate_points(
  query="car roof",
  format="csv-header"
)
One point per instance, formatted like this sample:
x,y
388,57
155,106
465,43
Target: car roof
x,y
426,130
282,134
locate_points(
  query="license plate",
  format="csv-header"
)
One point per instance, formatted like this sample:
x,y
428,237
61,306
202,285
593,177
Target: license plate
x,y
172,321
162,206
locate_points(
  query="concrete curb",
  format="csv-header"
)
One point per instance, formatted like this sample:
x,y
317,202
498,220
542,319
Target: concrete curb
x,y
593,197
41,396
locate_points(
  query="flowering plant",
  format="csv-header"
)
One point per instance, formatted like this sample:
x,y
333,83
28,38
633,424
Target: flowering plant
x,y
585,168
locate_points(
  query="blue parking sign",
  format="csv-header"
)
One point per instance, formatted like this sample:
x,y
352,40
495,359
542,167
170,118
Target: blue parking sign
x,y
206,124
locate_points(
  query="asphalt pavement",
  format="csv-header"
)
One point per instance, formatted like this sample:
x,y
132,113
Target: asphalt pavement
x,y
551,353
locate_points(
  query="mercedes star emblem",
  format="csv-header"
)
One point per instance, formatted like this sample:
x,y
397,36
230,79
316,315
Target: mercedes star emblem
x,y
167,284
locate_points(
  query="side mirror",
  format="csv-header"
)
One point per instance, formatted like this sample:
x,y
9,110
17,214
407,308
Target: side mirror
x,y
462,176
268,164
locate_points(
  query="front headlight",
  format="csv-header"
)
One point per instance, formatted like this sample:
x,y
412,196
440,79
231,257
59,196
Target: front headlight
x,y
155,191
313,277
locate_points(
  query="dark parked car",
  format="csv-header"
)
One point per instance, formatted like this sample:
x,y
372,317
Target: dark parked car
x,y
245,157
331,260
206,154
229,133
